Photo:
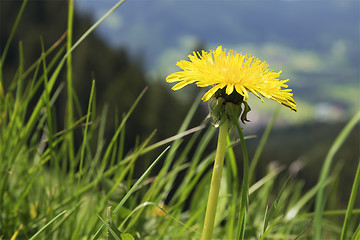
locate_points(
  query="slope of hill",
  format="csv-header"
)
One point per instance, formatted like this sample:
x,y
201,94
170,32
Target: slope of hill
x,y
316,43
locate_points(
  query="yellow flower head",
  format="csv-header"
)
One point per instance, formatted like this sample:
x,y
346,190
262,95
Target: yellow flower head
x,y
232,71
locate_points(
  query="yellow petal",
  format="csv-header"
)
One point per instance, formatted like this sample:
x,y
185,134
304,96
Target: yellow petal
x,y
241,90
180,85
229,89
210,93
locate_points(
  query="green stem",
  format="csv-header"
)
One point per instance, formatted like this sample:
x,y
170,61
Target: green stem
x,y
215,182
245,187
70,118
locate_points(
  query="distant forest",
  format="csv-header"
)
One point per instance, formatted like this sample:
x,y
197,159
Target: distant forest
x,y
119,78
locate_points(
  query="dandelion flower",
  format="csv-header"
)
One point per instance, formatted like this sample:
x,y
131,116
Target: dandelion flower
x,y
232,72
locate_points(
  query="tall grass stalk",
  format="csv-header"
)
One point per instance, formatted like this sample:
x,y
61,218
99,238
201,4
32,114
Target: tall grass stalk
x,y
70,117
320,201
262,143
245,187
7,45
350,207
32,121
82,153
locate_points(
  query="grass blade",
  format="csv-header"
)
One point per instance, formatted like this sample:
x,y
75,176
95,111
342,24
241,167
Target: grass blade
x,y
262,143
351,203
320,201
245,186
134,187
47,225
37,109
123,200
86,130
7,45
70,118
356,234
110,229
270,214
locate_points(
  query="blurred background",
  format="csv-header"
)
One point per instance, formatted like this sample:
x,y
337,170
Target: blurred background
x,y
315,43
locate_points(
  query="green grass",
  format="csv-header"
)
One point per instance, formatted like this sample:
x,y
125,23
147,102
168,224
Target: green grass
x,y
51,190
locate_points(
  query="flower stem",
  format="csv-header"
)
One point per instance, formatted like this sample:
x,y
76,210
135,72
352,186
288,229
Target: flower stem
x,y
215,182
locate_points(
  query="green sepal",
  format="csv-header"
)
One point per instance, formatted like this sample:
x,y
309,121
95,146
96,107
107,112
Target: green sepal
x,y
217,110
223,107
233,111
245,112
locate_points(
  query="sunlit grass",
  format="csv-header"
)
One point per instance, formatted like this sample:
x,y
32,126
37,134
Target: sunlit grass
x,y
46,192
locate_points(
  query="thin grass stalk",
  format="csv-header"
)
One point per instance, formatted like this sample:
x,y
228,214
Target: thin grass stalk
x,y
215,182
190,186
125,171
34,116
121,146
148,195
50,50
169,184
134,158
37,84
154,189
7,46
15,115
29,89
36,65
356,235
82,153
245,187
234,190
62,221
77,106
22,107
262,143
70,112
16,111
92,171
177,142
320,201
305,198
142,177
351,203
191,175
36,235
111,231
261,182
117,143
10,142
114,138
172,139
355,211
49,118
47,103
20,79
110,171
269,214
13,237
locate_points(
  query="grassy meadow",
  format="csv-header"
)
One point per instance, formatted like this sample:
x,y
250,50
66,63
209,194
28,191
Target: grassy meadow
x,y
57,185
